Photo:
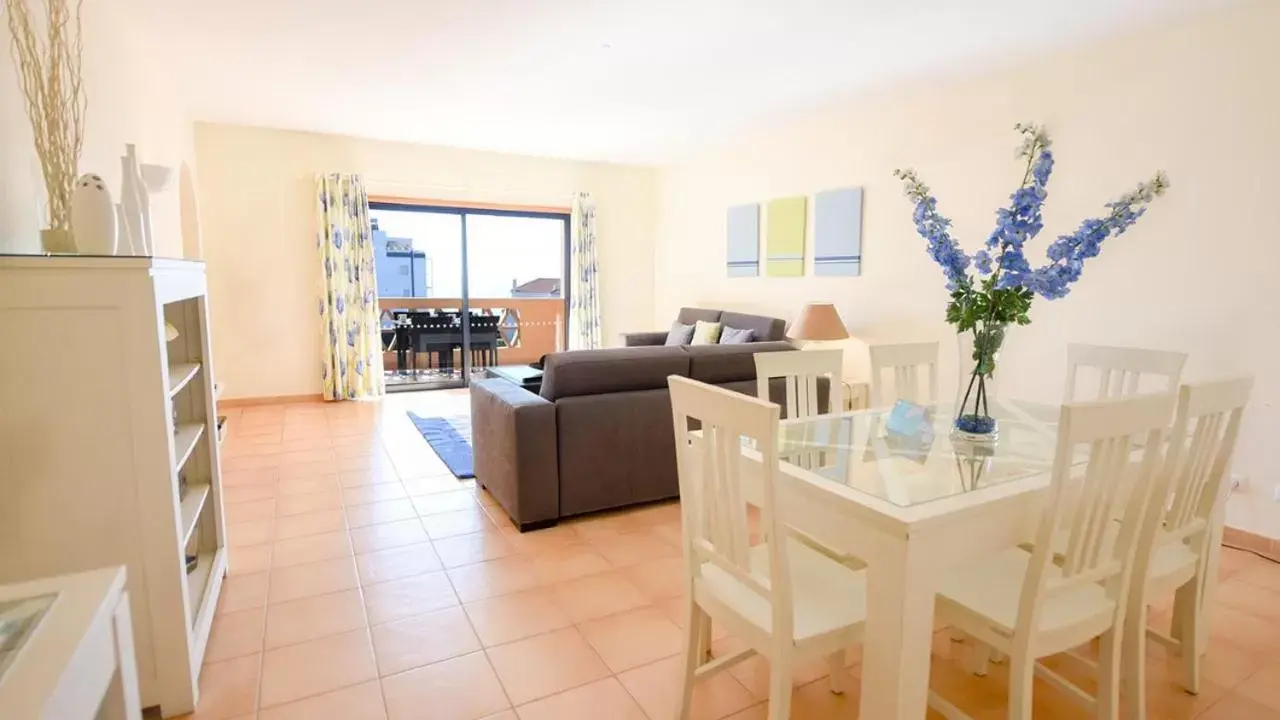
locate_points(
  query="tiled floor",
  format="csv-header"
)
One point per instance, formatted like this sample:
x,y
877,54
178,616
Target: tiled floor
x,y
367,583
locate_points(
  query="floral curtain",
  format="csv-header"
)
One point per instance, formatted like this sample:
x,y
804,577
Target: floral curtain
x,y
584,287
351,335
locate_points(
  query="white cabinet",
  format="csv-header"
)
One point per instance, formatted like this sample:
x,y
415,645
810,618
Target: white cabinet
x,y
100,415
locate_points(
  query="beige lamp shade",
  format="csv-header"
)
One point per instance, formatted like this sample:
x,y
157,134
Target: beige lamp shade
x,y
819,321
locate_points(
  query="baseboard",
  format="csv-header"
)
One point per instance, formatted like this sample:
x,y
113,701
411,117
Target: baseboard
x,y
1245,540
270,400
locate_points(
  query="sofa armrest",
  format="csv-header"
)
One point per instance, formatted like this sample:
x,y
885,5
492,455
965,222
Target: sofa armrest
x,y
657,337
513,438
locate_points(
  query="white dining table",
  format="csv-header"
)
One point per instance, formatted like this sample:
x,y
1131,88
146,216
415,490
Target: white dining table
x,y
912,506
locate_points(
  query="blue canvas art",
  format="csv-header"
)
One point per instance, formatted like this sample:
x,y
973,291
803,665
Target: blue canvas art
x,y
837,232
743,241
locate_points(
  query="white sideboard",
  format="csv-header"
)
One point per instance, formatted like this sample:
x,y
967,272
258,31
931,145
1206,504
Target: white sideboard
x,y
100,414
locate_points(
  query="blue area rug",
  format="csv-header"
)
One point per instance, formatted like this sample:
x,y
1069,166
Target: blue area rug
x,y
450,437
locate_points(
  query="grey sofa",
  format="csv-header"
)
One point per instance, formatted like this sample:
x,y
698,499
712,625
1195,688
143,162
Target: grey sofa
x,y
766,329
599,435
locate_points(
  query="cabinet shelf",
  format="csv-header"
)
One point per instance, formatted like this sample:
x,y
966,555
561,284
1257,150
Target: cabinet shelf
x,y
192,505
179,375
184,442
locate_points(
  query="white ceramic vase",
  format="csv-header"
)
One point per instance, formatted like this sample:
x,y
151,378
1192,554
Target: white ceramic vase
x,y
132,202
93,216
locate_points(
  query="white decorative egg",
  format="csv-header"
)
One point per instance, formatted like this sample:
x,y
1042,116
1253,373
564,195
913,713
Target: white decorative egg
x,y
93,216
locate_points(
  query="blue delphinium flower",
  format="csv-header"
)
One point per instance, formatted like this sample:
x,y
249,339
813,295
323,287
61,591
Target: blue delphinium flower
x,y
934,228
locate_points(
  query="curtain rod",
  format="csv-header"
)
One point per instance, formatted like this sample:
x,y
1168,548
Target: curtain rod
x,y
488,192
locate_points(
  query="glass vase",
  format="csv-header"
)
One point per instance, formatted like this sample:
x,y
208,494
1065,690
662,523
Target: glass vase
x,y
979,355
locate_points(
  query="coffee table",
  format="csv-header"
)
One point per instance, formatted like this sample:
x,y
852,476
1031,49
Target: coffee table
x,y
529,378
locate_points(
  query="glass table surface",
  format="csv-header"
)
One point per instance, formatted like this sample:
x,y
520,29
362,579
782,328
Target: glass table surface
x,y
863,451
19,619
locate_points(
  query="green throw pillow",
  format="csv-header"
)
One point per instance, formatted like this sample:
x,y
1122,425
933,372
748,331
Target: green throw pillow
x,y
706,333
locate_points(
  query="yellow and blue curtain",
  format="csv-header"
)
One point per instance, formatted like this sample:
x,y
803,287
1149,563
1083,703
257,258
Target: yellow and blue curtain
x,y
351,338
584,287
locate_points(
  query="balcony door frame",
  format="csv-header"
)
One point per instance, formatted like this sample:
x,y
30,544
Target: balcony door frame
x,y
462,210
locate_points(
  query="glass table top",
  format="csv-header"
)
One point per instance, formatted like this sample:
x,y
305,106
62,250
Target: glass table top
x,y
18,622
869,453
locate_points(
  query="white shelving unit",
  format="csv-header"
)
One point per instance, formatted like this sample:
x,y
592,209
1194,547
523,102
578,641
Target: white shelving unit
x,y
99,417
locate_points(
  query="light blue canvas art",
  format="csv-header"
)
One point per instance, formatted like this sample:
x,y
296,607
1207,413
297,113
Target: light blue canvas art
x,y
837,232
744,241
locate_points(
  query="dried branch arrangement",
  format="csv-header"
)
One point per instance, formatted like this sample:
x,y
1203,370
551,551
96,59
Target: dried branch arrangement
x,y
48,68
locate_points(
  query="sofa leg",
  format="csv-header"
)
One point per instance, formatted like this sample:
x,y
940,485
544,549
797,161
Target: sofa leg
x,y
538,525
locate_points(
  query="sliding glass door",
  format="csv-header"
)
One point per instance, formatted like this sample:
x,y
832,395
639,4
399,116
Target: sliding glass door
x,y
463,290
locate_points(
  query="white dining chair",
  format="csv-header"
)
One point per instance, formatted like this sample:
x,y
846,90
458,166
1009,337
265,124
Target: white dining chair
x,y
1120,370
1027,606
906,361
1196,469
802,372
783,599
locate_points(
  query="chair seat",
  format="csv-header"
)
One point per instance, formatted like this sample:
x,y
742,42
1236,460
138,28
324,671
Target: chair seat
x,y
992,589
1172,561
827,597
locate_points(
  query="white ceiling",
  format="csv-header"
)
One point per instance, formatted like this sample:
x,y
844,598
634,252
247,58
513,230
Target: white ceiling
x,y
625,80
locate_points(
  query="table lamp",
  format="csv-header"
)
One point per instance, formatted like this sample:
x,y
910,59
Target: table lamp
x,y
819,321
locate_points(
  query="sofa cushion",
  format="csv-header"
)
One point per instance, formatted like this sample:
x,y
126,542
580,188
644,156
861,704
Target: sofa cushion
x,y
680,334
705,333
592,372
766,328
736,336
717,364
689,316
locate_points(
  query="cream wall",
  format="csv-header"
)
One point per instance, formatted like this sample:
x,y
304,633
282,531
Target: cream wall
x,y
257,212
1200,99
130,101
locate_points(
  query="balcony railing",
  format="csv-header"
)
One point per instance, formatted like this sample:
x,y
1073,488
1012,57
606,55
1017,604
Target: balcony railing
x,y
528,328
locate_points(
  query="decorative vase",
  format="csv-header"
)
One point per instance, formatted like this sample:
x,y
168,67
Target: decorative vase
x,y
979,354
93,215
133,202
58,241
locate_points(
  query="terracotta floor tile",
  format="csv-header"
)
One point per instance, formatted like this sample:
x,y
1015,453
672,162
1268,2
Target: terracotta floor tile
x,y
311,548
428,485
460,522
306,469
318,666
464,688
538,541
658,579
242,512
1263,687
358,702
657,686
544,665
249,559
1238,707
597,596
235,634
626,550
367,476
1253,598
314,617
633,638
317,578
241,592
753,673
311,485
228,688
380,512
387,535
493,578
470,549
443,502
409,596
365,494
504,715
254,532
232,494
310,523
570,563
297,504
251,476
602,699
423,639
396,563
513,617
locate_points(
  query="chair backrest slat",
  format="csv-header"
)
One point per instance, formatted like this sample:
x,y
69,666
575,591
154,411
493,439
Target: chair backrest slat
x,y
906,361
1113,430
1201,446
710,465
1120,370
801,371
